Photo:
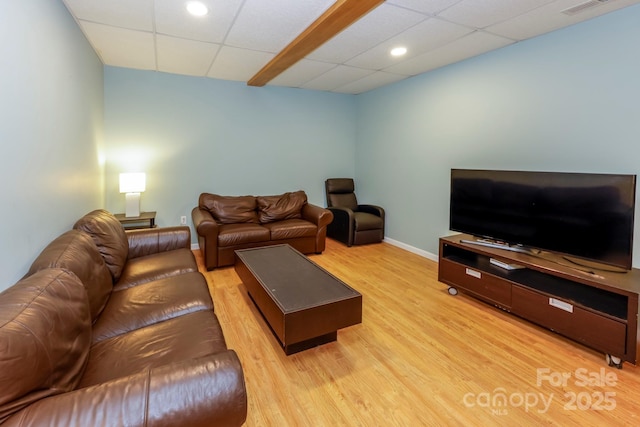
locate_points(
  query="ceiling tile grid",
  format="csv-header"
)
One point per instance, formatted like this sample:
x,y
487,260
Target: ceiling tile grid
x,y
551,17
482,13
382,23
171,18
261,26
131,14
233,63
423,37
468,46
302,72
237,38
431,7
188,57
336,77
121,47
369,82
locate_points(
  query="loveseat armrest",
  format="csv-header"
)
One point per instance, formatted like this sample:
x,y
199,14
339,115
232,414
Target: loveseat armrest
x,y
207,230
320,216
203,222
203,392
155,240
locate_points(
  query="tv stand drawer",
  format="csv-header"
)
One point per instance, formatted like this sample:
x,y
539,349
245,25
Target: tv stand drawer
x,y
482,285
573,321
599,310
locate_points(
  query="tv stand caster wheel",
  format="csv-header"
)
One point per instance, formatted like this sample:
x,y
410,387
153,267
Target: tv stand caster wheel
x,y
614,361
452,290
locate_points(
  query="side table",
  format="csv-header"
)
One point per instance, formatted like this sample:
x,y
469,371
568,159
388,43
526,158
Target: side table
x,y
145,220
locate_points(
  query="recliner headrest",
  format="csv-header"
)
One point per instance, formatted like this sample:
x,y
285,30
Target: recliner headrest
x,y
340,185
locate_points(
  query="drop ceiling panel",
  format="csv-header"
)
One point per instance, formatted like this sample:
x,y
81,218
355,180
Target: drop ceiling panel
x,y
238,37
550,17
431,7
172,18
482,13
132,14
336,77
121,47
372,81
301,72
465,47
261,25
379,25
233,63
425,36
186,57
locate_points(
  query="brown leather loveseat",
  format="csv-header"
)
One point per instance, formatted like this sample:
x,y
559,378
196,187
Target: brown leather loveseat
x,y
115,328
227,223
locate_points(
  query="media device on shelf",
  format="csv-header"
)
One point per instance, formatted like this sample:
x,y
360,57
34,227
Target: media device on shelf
x,y
583,215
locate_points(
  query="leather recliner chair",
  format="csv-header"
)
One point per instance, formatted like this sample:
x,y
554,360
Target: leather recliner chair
x,y
353,224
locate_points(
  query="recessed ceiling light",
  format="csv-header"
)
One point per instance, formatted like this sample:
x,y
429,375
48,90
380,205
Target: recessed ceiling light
x,y
197,8
398,51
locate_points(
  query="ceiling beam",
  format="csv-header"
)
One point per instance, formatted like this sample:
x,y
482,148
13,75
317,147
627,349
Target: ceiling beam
x,y
342,14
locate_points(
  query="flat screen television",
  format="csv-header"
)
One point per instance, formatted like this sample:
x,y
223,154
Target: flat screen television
x,y
584,215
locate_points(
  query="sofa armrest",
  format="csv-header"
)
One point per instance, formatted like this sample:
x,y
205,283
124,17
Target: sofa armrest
x,y
207,230
155,240
203,222
341,228
320,216
197,392
341,214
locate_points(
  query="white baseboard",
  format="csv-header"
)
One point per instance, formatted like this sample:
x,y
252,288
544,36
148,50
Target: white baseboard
x,y
412,249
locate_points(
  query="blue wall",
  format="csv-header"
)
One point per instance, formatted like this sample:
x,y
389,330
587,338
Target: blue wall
x,y
565,101
51,107
193,135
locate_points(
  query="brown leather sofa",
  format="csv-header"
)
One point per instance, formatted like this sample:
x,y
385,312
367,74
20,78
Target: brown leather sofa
x,y
115,328
227,223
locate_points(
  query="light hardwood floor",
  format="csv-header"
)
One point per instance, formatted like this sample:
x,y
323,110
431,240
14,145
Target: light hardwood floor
x,y
420,358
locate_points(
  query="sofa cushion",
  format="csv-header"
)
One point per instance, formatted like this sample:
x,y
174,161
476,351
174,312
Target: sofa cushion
x,y
45,333
239,234
185,337
284,206
75,251
156,266
151,303
110,238
230,209
367,221
291,229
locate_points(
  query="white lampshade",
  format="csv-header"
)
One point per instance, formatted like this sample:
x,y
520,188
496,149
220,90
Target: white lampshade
x,y
132,182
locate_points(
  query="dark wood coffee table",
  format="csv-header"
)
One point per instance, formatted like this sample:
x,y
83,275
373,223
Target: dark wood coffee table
x,y
303,304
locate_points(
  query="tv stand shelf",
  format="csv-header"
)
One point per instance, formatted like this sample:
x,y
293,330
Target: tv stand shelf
x,y
596,308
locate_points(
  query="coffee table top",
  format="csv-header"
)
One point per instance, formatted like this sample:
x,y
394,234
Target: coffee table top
x,y
293,280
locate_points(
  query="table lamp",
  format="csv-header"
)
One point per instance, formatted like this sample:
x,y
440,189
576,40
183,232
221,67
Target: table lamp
x,y
132,184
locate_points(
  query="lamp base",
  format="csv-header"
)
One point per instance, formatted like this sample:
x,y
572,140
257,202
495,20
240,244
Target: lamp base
x,y
132,207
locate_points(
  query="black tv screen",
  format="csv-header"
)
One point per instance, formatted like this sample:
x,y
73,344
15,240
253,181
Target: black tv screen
x,y
586,215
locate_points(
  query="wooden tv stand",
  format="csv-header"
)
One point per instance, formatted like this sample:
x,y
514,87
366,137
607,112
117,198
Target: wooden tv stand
x,y
598,309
